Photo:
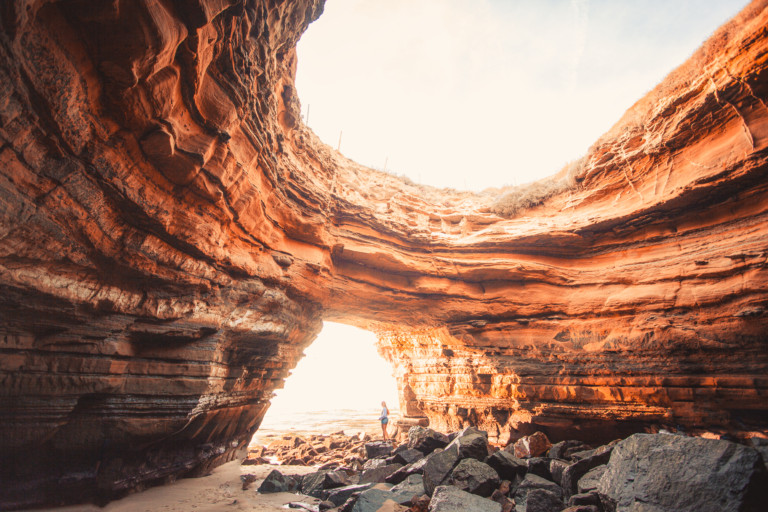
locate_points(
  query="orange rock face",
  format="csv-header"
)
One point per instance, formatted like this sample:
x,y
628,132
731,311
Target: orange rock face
x,y
172,237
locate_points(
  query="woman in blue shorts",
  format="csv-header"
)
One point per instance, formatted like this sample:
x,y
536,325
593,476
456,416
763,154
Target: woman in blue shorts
x,y
384,419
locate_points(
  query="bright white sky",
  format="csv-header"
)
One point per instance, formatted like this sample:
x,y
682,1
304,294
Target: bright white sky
x,y
472,94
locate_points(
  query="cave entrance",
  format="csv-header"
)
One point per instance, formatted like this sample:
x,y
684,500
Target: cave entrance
x,y
338,385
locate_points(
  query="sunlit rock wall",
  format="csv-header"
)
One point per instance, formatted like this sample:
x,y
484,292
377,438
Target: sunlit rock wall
x,y
171,236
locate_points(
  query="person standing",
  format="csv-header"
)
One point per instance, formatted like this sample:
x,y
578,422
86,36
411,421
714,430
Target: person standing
x,y
384,418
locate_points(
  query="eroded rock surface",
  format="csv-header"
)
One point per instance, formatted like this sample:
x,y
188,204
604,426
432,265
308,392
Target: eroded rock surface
x,y
171,237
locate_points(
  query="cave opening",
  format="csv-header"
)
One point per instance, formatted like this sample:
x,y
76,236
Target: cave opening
x,y
338,385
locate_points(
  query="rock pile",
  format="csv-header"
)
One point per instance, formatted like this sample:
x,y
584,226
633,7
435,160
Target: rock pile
x,y
315,450
434,472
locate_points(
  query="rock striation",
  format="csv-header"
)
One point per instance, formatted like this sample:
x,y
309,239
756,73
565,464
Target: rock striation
x,y
171,237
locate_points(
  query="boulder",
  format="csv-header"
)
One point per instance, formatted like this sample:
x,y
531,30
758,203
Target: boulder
x,y
590,498
475,477
564,449
378,474
761,445
340,495
278,482
373,500
378,449
531,446
450,499
556,469
541,500
582,508
590,480
531,482
670,472
438,468
374,463
540,466
426,440
313,483
471,443
412,486
573,473
507,465
406,456
411,469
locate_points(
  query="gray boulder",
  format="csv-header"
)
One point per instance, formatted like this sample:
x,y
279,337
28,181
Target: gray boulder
x,y
541,500
450,499
589,481
406,456
557,468
507,465
590,498
564,449
426,440
665,472
378,474
540,466
410,487
532,482
471,443
372,500
415,468
340,495
278,482
378,449
475,477
438,467
314,484
573,473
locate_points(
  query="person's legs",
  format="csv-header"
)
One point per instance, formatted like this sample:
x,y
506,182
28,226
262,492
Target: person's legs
x,y
384,429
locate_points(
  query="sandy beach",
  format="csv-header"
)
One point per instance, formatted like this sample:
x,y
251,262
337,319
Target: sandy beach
x,y
221,491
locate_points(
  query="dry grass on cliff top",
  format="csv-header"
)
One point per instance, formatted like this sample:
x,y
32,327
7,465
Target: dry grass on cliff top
x,y
533,194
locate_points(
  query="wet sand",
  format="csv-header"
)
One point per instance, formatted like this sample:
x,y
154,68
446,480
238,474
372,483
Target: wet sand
x,y
221,491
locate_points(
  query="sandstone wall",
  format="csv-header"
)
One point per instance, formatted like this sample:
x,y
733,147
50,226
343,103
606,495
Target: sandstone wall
x,y
172,237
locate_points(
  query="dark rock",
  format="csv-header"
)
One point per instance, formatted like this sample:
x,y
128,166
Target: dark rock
x,y
426,440
278,482
379,474
348,505
340,495
374,463
247,480
583,454
475,477
590,480
669,472
406,456
378,449
371,500
564,449
761,445
573,473
556,469
540,466
450,499
531,482
590,498
411,469
471,443
411,486
542,500
314,483
438,468
325,505
582,508
507,465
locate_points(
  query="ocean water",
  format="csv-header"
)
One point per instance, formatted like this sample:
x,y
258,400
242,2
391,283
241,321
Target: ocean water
x,y
327,421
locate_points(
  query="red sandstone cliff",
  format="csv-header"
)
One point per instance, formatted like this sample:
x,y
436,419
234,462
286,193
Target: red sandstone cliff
x,y
172,236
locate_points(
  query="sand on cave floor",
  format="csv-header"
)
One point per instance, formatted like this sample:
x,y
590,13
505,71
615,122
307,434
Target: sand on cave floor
x,y
221,491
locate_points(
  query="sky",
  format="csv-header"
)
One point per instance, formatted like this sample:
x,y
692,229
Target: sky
x,y
488,93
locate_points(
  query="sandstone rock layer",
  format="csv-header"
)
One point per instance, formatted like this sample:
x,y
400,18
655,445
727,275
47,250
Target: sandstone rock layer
x,y
171,237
